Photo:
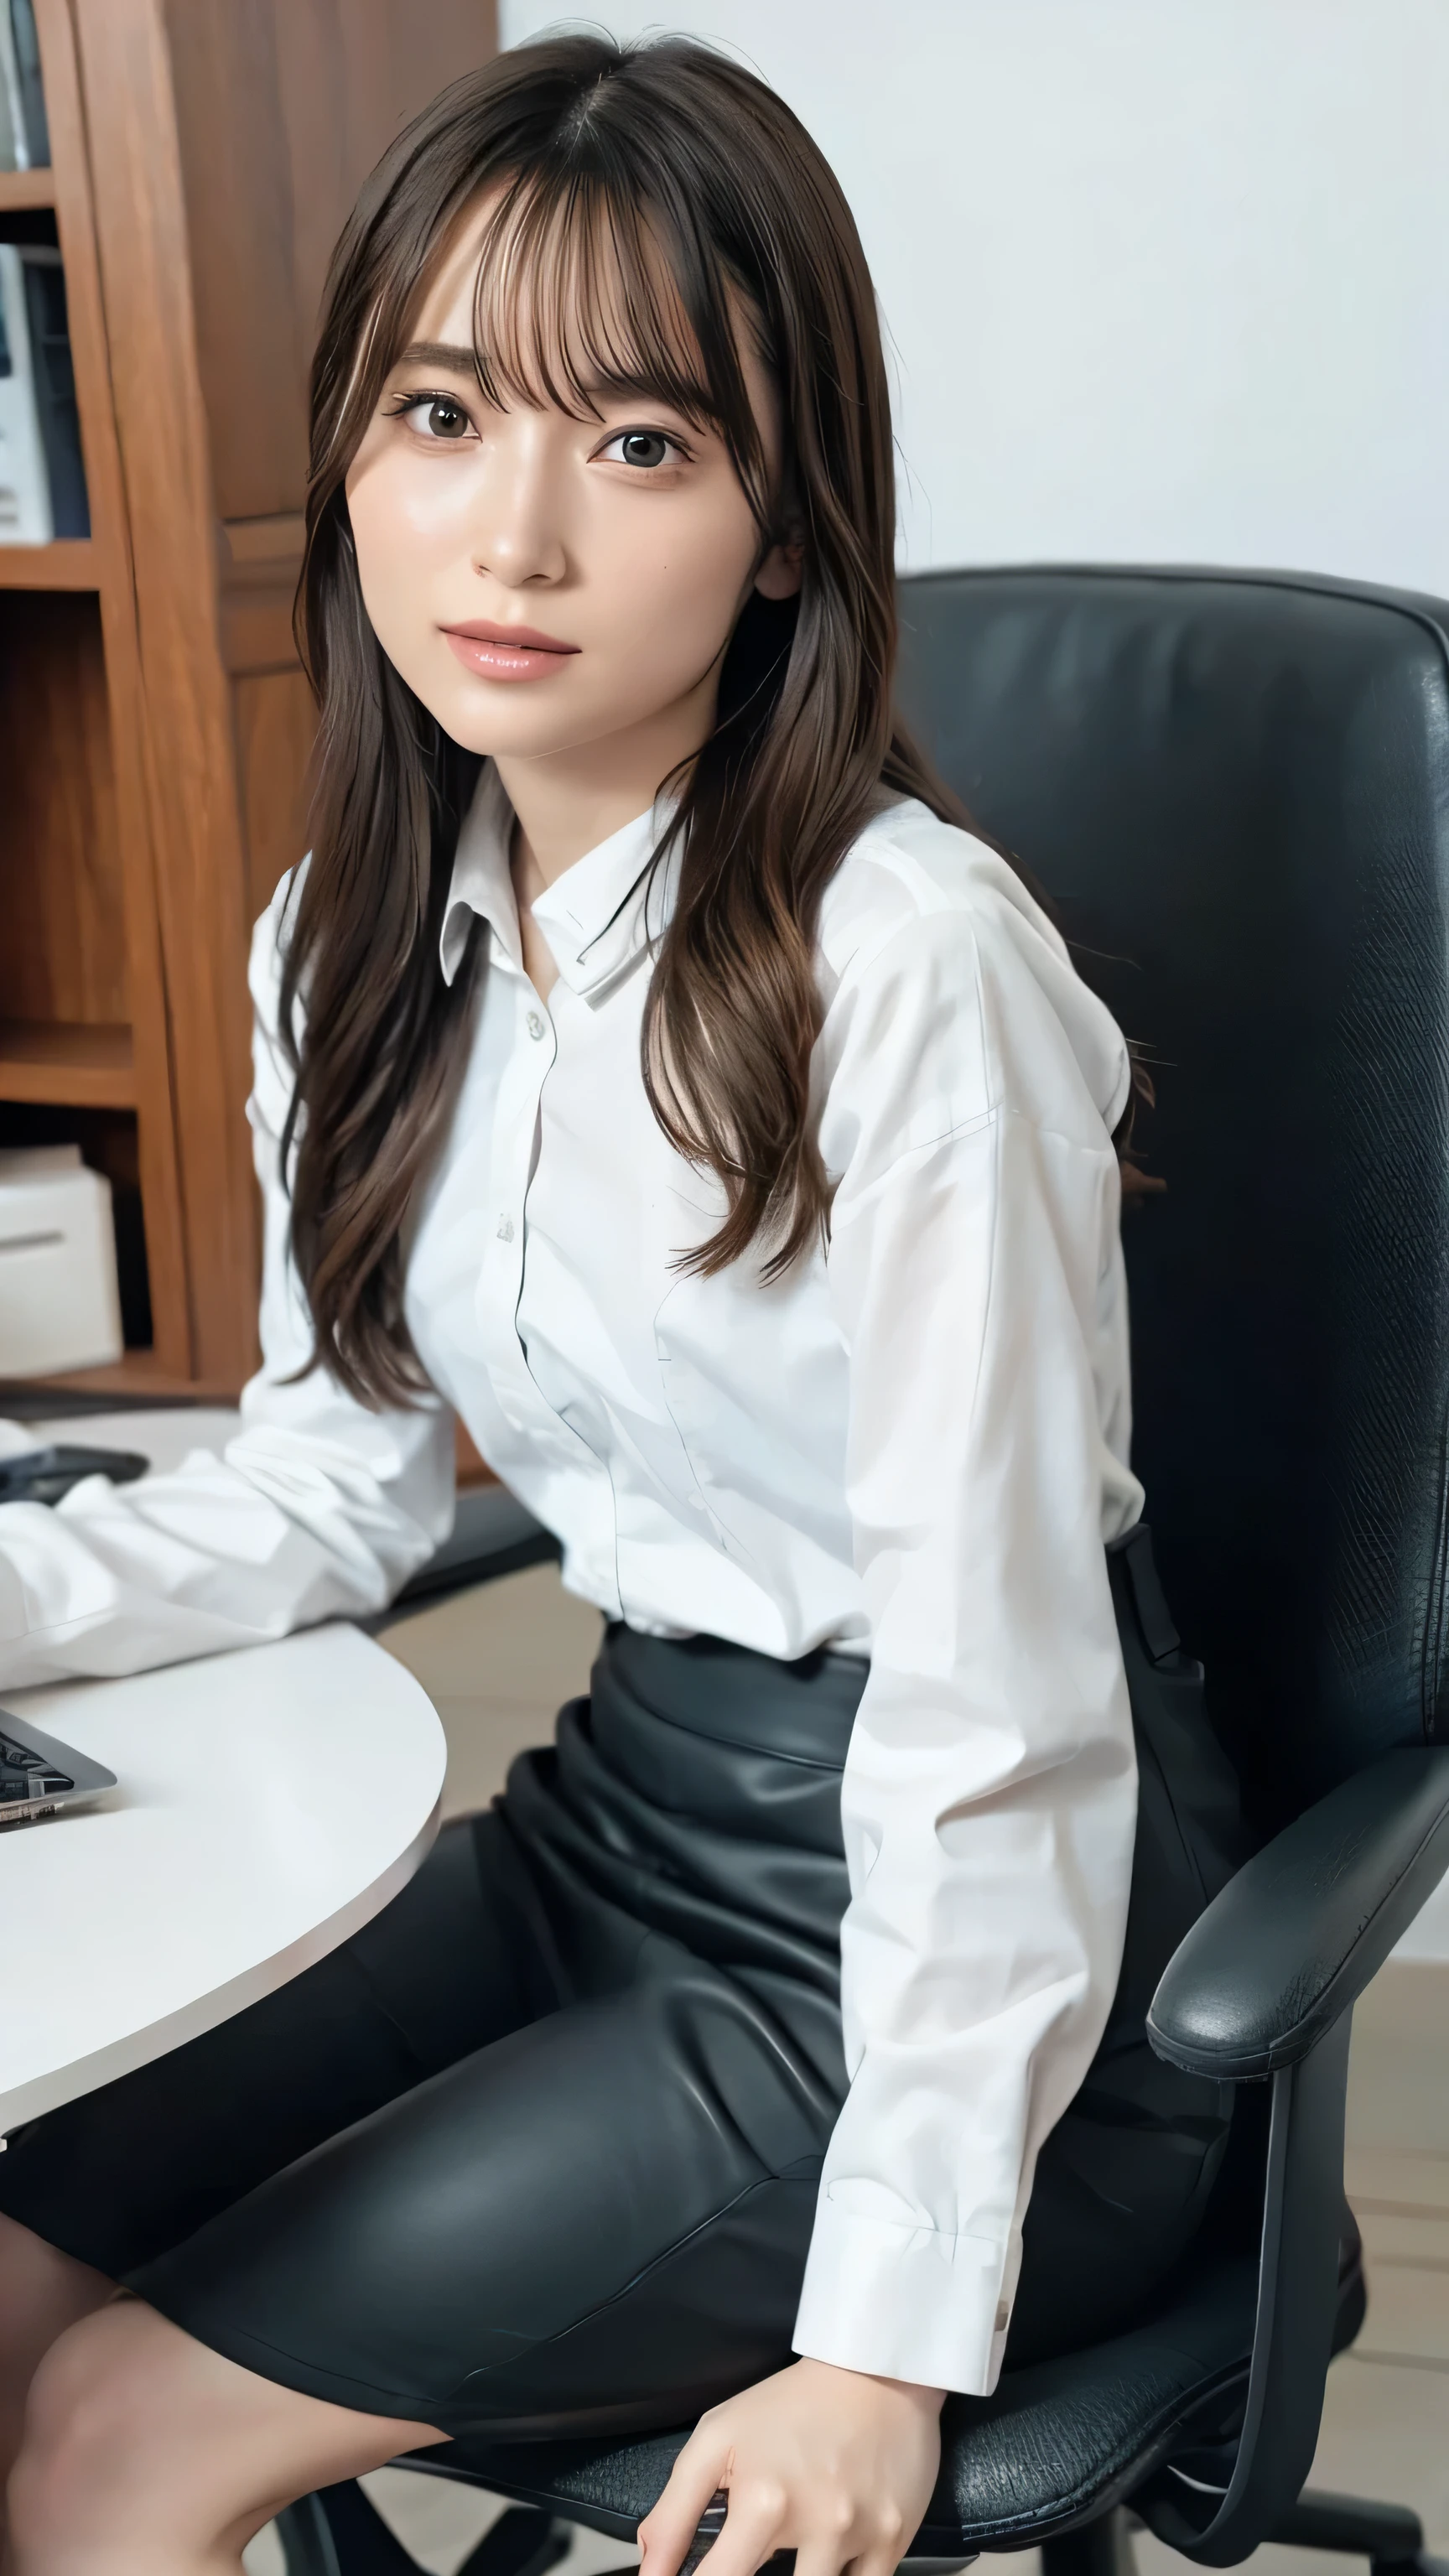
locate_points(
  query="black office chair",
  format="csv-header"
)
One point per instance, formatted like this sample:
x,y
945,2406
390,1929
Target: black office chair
x,y
1236,789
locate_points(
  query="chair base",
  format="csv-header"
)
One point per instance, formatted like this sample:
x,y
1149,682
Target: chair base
x,y
1387,2535
1100,2548
339,2532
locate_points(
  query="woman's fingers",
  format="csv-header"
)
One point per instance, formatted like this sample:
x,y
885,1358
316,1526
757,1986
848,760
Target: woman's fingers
x,y
830,2463
825,2558
666,2533
710,2525
882,2561
854,2552
754,2529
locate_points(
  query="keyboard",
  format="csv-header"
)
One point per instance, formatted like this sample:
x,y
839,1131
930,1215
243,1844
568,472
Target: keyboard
x,y
25,1774
40,1776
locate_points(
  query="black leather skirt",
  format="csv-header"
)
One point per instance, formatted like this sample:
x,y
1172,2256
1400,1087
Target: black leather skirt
x,y
538,2150
708,1810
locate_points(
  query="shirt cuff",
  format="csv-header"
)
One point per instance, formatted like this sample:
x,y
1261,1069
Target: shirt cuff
x,y
905,2302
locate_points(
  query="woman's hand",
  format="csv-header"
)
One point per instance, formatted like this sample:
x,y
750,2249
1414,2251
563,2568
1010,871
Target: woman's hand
x,y
827,2462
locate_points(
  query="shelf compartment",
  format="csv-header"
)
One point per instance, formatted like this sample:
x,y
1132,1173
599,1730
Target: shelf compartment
x,y
68,1063
136,1378
67,563
22,189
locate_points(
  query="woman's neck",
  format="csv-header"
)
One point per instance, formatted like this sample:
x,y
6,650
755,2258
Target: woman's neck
x,y
570,801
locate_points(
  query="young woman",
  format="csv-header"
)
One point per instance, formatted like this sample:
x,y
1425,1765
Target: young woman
x,y
650,1068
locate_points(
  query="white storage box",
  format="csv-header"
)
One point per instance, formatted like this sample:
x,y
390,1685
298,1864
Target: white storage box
x,y
59,1306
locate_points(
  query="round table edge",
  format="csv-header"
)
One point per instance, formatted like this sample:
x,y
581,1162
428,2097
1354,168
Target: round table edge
x,y
61,2084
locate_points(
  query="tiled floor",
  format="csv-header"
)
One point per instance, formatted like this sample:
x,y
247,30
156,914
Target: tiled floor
x,y
498,1661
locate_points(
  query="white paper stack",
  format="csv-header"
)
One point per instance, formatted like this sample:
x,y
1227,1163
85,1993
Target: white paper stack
x,y
59,1303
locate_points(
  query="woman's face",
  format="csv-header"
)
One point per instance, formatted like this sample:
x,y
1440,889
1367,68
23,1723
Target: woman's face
x,y
544,583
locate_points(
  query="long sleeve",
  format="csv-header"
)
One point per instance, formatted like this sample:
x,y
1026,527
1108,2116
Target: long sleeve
x,y
317,1508
989,1799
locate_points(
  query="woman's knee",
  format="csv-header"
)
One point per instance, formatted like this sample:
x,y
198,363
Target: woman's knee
x,y
42,2293
100,2420
135,2428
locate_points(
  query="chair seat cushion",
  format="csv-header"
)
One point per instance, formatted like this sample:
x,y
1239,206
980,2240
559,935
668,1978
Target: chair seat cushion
x,y
1058,2440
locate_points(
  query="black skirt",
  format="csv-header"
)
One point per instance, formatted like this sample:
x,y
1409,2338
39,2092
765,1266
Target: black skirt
x,y
538,2150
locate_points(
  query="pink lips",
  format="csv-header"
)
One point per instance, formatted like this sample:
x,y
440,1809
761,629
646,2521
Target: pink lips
x,y
507,652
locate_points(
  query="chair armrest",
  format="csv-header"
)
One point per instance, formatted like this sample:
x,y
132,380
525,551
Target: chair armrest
x,y
1293,1939
492,1534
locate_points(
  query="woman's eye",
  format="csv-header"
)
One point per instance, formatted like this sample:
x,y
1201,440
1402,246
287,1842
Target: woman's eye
x,y
438,416
642,447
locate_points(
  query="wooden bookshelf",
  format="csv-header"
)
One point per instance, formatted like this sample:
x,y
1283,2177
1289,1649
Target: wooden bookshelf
x,y
155,728
78,1064
22,190
70,563
138,1378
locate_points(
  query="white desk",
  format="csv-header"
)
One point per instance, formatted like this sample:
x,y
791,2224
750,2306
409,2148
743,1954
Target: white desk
x,y
268,1804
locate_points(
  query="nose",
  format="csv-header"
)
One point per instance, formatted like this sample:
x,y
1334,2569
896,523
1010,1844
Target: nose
x,y
518,535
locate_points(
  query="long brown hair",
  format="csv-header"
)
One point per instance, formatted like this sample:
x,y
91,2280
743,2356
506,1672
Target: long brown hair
x,y
651,193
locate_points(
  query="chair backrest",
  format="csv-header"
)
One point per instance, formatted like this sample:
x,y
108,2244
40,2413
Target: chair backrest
x,y
1236,789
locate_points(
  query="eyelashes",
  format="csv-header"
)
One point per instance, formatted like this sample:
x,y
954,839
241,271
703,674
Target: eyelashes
x,y
442,419
450,427
670,450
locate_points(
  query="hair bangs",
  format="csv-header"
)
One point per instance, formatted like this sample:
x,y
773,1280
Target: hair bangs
x,y
586,295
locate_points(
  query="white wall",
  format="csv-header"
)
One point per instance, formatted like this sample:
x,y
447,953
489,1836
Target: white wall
x,y
1168,280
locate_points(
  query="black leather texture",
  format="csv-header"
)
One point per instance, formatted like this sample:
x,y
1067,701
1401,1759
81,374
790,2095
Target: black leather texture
x,y
1292,1941
370,2185
1053,2441
697,1792
1235,788
1127,2172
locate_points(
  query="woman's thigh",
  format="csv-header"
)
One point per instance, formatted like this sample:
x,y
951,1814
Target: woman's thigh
x,y
138,2166
599,2220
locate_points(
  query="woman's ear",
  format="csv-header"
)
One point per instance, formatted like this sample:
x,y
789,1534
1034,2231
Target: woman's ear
x,y
780,574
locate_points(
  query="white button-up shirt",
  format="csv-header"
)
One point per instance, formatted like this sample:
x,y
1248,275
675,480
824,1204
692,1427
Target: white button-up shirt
x,y
913,1447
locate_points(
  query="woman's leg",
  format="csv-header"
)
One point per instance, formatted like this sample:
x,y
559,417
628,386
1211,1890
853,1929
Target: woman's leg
x,y
42,2292
146,2451
126,2171
600,2219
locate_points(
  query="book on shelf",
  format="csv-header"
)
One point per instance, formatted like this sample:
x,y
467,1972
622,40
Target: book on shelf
x,y
55,400
25,515
42,478
10,148
24,134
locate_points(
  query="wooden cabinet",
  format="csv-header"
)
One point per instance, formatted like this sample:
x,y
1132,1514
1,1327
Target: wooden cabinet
x,y
155,728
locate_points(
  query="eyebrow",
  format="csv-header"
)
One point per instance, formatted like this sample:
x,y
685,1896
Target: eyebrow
x,y
451,354
457,359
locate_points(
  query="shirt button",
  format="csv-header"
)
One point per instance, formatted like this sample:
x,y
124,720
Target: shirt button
x,y
534,1025
505,1229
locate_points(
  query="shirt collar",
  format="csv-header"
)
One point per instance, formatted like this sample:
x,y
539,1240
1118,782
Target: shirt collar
x,y
481,883
597,917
